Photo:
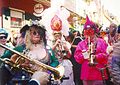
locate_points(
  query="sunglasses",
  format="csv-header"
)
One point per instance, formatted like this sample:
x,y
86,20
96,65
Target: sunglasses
x,y
3,37
35,32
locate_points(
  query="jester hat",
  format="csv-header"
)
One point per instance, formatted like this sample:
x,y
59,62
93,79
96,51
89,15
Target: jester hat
x,y
90,28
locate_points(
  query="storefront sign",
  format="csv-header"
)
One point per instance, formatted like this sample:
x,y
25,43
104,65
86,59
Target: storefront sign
x,y
38,9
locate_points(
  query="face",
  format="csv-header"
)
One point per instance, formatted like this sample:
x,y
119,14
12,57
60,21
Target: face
x,y
35,36
3,39
89,33
57,36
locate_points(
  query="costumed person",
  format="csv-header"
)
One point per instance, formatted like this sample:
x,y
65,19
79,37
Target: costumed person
x,y
114,64
91,54
57,20
61,49
35,48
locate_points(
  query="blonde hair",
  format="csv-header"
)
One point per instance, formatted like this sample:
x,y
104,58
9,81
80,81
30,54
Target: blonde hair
x,y
28,42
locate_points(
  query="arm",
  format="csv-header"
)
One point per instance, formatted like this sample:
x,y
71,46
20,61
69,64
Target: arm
x,y
78,54
101,53
9,53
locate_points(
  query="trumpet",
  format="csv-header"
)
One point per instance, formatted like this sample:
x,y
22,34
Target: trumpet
x,y
63,52
57,72
91,53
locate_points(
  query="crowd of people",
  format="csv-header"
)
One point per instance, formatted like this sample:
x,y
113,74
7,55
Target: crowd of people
x,y
91,59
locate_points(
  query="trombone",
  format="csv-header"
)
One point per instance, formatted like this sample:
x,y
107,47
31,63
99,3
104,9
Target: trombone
x,y
58,72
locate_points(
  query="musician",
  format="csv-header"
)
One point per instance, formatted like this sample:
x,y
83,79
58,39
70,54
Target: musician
x,y
90,73
35,47
62,52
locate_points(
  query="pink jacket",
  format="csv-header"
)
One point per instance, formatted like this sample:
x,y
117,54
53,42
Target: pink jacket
x,y
92,72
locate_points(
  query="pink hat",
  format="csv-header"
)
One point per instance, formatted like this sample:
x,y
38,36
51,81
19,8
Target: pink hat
x,y
90,26
56,23
88,23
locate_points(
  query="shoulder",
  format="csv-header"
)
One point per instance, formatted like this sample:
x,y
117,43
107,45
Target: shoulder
x,y
82,42
101,40
19,48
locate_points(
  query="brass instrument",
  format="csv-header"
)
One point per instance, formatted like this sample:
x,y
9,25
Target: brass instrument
x,y
57,72
63,52
91,53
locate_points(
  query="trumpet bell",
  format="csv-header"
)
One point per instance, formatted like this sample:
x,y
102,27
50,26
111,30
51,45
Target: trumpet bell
x,y
60,73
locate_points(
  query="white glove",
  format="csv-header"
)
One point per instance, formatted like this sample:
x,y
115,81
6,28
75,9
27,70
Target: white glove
x,y
86,55
42,77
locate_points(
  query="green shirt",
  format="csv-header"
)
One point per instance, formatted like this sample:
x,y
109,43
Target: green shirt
x,y
53,60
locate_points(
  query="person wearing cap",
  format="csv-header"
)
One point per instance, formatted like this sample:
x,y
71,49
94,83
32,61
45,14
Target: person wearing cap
x,y
91,54
61,49
114,64
3,39
3,72
62,52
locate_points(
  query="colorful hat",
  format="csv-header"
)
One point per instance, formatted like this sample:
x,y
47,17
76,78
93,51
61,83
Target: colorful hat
x,y
3,31
90,28
24,28
56,24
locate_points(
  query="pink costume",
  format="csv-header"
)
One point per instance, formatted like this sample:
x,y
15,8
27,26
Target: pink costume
x,y
92,72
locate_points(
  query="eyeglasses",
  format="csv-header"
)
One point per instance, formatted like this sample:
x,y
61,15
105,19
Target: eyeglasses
x,y
3,37
35,32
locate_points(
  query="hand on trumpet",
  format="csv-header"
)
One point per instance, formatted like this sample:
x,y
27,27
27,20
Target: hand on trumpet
x,y
20,61
85,54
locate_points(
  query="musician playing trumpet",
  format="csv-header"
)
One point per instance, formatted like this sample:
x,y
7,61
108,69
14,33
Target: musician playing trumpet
x,y
62,52
91,53
35,48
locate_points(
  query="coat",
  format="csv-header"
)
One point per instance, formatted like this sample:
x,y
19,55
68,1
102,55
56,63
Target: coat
x,y
101,57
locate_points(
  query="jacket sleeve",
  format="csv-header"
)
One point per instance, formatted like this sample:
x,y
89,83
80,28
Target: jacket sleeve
x,y
101,54
9,53
78,54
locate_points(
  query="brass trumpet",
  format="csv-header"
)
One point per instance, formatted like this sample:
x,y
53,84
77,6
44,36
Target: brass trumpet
x,y
57,72
91,53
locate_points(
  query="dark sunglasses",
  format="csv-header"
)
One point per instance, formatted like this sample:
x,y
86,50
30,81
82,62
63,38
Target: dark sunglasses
x,y
35,33
3,37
